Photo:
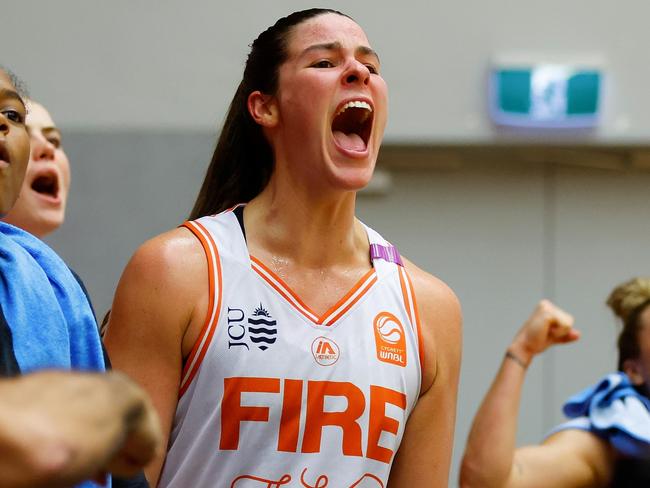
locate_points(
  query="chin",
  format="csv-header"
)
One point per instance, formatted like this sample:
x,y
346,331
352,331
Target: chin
x,y
43,225
353,179
50,225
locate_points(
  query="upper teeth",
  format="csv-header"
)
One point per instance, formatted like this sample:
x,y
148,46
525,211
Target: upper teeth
x,y
355,104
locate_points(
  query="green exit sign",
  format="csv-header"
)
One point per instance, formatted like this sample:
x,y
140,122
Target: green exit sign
x,y
546,95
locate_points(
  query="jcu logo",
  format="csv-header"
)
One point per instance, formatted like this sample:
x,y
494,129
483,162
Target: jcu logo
x,y
258,329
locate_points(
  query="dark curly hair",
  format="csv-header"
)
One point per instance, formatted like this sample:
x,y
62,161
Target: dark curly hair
x,y
19,84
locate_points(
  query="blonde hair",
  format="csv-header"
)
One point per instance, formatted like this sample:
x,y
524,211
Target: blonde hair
x,y
628,300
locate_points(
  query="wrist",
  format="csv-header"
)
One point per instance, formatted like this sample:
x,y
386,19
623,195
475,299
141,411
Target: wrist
x,y
520,355
516,359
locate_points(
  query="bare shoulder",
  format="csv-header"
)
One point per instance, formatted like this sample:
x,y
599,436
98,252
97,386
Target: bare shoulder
x,y
160,286
585,459
170,255
591,448
441,321
431,290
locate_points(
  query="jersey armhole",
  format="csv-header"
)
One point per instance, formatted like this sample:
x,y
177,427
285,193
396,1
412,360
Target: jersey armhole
x,y
193,362
411,306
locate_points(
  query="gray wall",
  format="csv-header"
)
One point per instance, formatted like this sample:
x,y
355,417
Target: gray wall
x,y
126,188
174,64
140,88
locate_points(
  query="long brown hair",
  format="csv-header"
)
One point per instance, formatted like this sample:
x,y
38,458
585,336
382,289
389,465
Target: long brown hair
x,y
242,162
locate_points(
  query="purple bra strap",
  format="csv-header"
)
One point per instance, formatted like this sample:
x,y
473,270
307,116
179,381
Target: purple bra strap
x,y
387,253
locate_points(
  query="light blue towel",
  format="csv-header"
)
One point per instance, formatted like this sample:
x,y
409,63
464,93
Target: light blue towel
x,y
50,317
614,411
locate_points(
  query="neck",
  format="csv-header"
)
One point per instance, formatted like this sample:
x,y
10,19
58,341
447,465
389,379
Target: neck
x,y
297,224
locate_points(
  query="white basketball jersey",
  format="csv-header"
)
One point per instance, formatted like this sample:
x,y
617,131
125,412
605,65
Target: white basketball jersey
x,y
274,395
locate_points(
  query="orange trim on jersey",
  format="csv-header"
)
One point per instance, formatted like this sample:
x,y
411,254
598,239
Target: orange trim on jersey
x,y
334,313
412,300
364,284
282,288
212,317
405,296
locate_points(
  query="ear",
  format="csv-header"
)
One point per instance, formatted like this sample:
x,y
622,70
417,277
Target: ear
x,y
263,109
632,369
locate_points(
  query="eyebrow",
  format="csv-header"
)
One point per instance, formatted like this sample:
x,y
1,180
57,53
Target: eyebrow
x,y
47,131
50,129
12,95
337,46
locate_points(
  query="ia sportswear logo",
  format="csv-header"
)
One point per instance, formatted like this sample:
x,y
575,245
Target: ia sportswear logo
x,y
326,352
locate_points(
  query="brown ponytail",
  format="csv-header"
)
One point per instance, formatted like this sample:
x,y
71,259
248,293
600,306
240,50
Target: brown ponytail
x,y
242,162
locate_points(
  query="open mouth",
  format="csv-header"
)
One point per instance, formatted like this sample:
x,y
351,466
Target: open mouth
x,y
352,125
4,154
46,184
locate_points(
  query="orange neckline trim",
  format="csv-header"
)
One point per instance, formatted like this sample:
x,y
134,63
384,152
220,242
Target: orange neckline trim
x,y
335,312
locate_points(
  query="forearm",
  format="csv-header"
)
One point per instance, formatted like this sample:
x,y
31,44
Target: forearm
x,y
489,454
31,454
58,428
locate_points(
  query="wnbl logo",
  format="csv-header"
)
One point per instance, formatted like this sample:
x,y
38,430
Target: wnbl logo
x,y
261,330
389,339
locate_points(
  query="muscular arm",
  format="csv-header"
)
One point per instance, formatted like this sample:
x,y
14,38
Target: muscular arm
x,y
60,428
424,455
568,459
157,306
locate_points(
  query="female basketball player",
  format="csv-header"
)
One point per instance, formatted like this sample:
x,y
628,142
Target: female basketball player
x,y
280,339
607,442
40,208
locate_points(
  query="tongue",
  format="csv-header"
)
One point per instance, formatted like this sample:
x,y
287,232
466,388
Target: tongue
x,y
351,142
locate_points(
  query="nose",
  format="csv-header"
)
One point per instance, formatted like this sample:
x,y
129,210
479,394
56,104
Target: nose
x,y
42,149
356,72
4,124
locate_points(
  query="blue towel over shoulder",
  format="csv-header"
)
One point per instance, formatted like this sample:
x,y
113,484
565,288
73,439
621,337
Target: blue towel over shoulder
x,y
614,411
49,315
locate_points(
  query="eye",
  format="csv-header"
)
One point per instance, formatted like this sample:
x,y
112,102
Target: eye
x,y
372,68
55,141
323,63
14,116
